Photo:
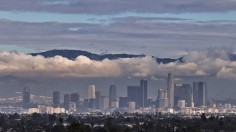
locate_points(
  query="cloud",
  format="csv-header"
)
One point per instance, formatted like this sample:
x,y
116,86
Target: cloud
x,y
126,35
198,63
118,6
22,64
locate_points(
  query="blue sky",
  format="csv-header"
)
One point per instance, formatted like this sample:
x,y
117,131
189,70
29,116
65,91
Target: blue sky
x,y
15,48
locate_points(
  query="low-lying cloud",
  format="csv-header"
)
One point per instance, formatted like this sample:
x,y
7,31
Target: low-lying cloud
x,y
198,63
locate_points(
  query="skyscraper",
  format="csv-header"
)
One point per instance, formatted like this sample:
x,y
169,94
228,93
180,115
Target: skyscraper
x,y
91,92
97,99
162,98
74,97
183,92
104,103
112,94
170,90
56,98
91,96
123,102
133,95
26,97
200,93
138,94
143,93
67,101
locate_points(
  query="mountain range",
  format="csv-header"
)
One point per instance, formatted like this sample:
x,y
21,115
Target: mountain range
x,y
73,54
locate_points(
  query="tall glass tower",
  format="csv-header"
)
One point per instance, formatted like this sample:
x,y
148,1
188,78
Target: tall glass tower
x,y
56,98
200,94
112,94
170,90
26,97
143,93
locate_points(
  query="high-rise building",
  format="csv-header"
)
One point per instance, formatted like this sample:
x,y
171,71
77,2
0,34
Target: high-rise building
x,y
143,93
92,103
97,99
151,102
200,93
91,92
56,98
112,94
115,104
133,93
181,104
86,104
131,105
123,102
67,101
192,102
183,92
162,98
138,94
104,103
170,89
91,96
26,97
74,97
72,107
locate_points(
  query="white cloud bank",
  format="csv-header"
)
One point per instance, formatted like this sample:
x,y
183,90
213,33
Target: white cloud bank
x,y
198,63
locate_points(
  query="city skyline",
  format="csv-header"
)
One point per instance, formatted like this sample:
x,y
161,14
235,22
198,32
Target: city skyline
x,y
117,65
195,41
175,96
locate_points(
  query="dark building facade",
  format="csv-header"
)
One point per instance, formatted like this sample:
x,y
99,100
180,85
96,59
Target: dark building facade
x,y
97,99
133,94
74,98
123,102
143,91
56,98
67,101
138,94
183,92
200,93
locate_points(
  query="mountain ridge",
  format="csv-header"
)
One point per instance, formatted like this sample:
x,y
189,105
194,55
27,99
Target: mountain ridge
x,y
73,54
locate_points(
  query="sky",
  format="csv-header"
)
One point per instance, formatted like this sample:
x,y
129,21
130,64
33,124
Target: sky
x,y
203,31
151,27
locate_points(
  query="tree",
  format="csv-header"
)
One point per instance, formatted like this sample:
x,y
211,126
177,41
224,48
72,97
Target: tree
x,y
52,118
100,129
14,116
71,119
36,117
76,127
221,123
127,129
2,120
212,118
61,121
203,117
